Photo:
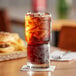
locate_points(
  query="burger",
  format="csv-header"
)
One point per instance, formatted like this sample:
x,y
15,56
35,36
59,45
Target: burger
x,y
10,42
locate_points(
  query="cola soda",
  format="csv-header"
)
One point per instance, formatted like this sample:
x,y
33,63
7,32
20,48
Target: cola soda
x,y
37,35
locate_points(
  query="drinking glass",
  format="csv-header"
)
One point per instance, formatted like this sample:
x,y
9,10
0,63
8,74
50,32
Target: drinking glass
x,y
37,35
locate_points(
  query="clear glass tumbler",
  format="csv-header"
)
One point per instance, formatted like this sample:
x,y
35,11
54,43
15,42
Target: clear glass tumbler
x,y
37,35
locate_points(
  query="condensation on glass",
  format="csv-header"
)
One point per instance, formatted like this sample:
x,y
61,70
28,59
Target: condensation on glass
x,y
37,35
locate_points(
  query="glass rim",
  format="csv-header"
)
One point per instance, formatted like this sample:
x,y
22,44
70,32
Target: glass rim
x,y
41,13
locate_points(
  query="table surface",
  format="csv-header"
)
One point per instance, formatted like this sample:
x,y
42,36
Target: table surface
x,y
57,24
12,68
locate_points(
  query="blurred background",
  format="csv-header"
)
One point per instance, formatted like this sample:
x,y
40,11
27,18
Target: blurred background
x,y
63,14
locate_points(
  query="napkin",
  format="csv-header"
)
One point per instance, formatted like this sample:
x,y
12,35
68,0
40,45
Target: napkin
x,y
26,68
66,56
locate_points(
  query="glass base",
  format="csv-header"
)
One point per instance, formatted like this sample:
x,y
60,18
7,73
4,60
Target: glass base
x,y
37,65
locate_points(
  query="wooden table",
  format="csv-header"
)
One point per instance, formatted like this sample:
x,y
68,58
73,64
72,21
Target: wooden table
x,y
12,68
57,24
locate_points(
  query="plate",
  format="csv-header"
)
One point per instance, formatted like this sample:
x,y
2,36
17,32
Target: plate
x,y
13,55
